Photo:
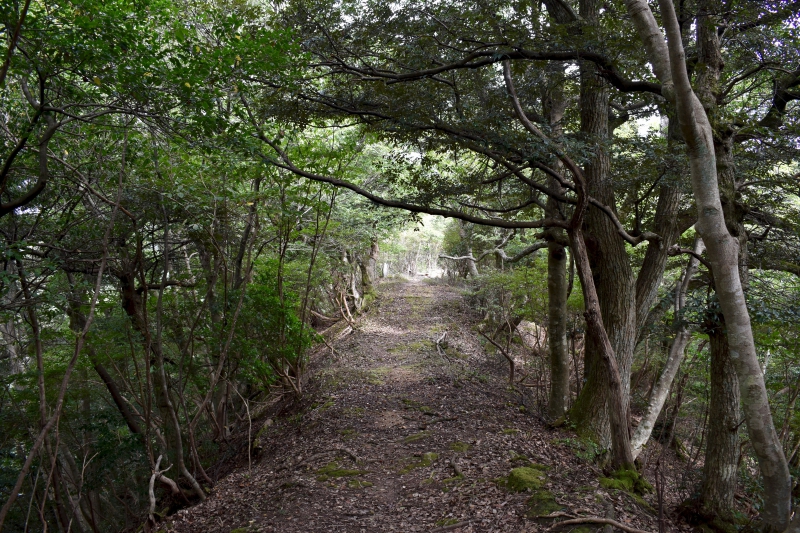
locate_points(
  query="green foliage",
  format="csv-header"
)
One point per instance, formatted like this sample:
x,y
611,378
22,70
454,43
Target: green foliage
x,y
269,333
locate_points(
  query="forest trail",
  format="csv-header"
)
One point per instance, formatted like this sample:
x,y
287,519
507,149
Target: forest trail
x,y
394,436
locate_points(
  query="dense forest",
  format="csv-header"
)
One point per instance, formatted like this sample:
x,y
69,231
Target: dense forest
x,y
192,192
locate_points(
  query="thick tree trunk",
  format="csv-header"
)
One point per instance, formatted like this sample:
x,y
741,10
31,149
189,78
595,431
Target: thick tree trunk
x,y
723,254
722,444
610,264
619,415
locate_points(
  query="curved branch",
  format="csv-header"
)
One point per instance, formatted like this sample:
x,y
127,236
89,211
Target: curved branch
x,y
568,162
482,58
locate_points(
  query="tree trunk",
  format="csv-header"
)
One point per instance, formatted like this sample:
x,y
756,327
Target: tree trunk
x,y
366,278
557,330
610,264
372,261
619,415
722,445
676,352
554,105
466,240
723,254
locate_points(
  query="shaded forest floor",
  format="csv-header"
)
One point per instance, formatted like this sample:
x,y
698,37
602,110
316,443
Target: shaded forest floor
x,y
394,436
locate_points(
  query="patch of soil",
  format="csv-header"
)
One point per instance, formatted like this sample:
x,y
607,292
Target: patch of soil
x,y
397,437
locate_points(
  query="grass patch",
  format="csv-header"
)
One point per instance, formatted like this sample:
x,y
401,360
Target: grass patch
x,y
446,522
510,431
356,412
348,434
411,404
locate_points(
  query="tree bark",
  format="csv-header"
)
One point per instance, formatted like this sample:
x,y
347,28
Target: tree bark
x,y
722,444
610,265
723,254
554,105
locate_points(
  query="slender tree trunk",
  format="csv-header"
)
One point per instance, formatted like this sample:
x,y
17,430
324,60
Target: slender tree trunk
x,y
676,352
366,278
554,105
557,330
372,261
668,61
466,240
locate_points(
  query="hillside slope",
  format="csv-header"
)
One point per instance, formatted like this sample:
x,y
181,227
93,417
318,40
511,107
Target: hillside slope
x,y
398,437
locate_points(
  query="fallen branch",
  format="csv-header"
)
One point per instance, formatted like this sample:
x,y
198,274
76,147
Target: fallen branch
x,y
589,520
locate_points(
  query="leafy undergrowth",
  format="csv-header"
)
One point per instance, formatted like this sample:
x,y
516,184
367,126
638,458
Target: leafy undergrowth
x,y
395,437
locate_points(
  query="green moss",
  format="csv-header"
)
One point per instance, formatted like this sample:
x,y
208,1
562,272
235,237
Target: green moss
x,y
627,480
333,470
417,436
348,434
325,406
427,459
519,458
542,503
510,431
455,354
358,484
411,404
524,478
459,446
356,412
446,522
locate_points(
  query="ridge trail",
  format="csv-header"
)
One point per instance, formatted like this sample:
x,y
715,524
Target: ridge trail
x,y
394,437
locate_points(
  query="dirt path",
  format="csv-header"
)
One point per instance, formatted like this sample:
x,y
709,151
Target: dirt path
x,y
398,438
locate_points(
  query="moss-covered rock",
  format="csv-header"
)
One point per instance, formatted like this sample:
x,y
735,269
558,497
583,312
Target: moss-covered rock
x,y
542,503
524,478
628,481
